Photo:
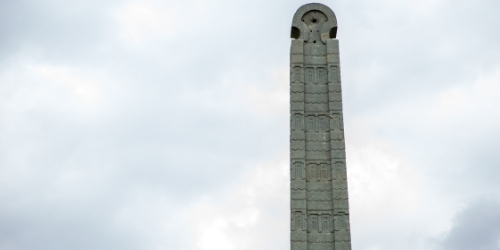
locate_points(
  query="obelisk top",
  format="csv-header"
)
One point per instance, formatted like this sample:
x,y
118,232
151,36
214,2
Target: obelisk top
x,y
314,17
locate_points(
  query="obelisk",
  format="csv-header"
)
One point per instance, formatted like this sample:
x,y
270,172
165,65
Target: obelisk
x,y
318,185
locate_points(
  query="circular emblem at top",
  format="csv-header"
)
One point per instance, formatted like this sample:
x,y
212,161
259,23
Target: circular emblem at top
x,y
316,20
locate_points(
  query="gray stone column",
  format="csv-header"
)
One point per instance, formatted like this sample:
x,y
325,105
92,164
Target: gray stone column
x,y
319,200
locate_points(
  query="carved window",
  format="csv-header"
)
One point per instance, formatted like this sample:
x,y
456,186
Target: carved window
x,y
322,123
310,123
326,224
341,222
321,76
337,121
313,172
298,170
324,172
339,171
297,122
298,220
314,222
333,75
296,75
309,75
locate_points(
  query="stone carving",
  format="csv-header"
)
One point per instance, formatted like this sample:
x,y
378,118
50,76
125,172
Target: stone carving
x,y
316,89
297,122
319,199
297,171
333,75
317,123
310,75
339,171
315,98
296,74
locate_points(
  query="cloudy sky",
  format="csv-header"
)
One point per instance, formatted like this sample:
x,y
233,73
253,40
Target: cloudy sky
x,y
147,124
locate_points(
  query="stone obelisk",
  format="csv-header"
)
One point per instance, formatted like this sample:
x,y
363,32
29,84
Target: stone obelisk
x,y
319,202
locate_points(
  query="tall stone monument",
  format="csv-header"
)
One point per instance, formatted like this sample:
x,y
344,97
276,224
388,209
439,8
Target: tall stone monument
x,y
319,203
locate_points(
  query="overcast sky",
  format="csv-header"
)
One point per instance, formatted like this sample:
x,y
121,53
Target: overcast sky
x,y
145,124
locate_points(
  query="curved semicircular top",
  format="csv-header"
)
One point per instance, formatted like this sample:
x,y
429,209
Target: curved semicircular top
x,y
314,21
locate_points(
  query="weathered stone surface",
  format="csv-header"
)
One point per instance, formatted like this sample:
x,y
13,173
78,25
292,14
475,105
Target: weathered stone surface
x,y
319,198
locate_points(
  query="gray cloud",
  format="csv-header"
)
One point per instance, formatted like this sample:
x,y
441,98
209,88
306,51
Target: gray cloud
x,y
476,227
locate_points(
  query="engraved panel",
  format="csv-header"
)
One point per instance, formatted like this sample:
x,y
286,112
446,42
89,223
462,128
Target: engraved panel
x,y
297,136
315,60
298,194
297,88
317,146
323,123
319,237
341,205
336,121
321,75
314,50
339,184
318,172
320,205
313,223
326,171
341,222
320,246
312,172
297,170
332,46
295,58
297,106
299,246
297,145
315,98
335,97
298,204
316,89
316,107
343,245
309,75
319,195
297,47
336,105
339,194
337,135
339,171
298,235
296,74
299,220
333,75
318,155
334,87
320,137
314,185
297,123
337,145
342,235
295,154
297,97
327,223
298,185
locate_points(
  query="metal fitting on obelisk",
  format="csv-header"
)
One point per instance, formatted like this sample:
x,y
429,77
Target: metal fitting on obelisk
x,y
318,179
